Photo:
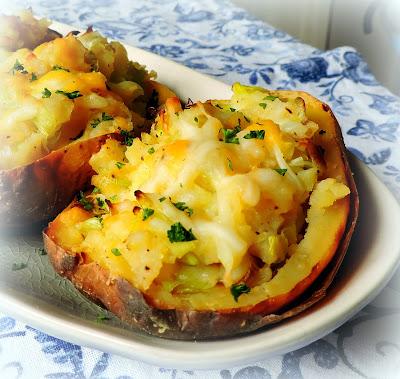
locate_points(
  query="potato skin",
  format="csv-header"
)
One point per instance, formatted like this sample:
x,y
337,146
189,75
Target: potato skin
x,y
32,194
121,298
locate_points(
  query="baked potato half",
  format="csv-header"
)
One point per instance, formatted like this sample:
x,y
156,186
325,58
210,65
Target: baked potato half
x,y
24,31
228,216
58,99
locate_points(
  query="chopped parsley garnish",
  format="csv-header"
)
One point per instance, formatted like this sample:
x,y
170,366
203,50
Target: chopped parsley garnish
x,y
116,251
161,199
100,219
232,109
239,289
263,105
33,77
19,68
258,134
96,190
218,106
178,233
19,266
147,212
87,205
71,95
59,68
100,202
151,150
230,164
100,318
104,117
128,138
183,207
196,119
95,123
120,165
270,97
281,171
41,251
46,93
246,118
230,135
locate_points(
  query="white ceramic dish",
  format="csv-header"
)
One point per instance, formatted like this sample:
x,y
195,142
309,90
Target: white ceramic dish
x,y
37,296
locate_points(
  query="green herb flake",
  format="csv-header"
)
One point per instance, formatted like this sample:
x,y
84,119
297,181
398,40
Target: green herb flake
x,y
263,105
59,68
196,119
178,233
116,251
71,95
257,134
46,93
106,117
230,135
95,123
100,202
19,266
218,106
147,212
33,77
87,205
281,171
127,138
246,118
232,109
230,164
120,165
183,207
19,68
96,190
101,318
161,199
239,289
41,251
270,97
151,150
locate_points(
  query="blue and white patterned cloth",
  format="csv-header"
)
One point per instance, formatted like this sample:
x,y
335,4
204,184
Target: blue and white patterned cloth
x,y
219,39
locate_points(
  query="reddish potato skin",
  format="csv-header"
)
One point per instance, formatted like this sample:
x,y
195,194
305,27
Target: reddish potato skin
x,y
33,194
121,298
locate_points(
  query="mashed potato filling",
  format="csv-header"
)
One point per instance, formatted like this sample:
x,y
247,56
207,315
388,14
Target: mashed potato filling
x,y
223,204
70,88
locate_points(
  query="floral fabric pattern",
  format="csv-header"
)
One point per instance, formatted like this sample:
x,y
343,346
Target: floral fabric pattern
x,y
219,39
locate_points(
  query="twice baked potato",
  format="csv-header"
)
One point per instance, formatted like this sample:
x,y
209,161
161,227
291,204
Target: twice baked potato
x,y
58,100
217,221
24,30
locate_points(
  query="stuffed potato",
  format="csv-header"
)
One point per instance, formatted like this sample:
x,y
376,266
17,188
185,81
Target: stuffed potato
x,y
58,97
216,221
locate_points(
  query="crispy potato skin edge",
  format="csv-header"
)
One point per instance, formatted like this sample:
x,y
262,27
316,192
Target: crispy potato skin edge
x,y
121,298
37,192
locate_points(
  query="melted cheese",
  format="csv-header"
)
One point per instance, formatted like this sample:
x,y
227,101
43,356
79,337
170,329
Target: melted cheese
x,y
243,196
36,113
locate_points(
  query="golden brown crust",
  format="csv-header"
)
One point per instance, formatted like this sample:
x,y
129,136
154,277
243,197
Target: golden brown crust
x,y
37,192
121,298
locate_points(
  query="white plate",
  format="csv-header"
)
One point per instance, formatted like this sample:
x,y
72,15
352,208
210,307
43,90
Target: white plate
x,y
42,299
